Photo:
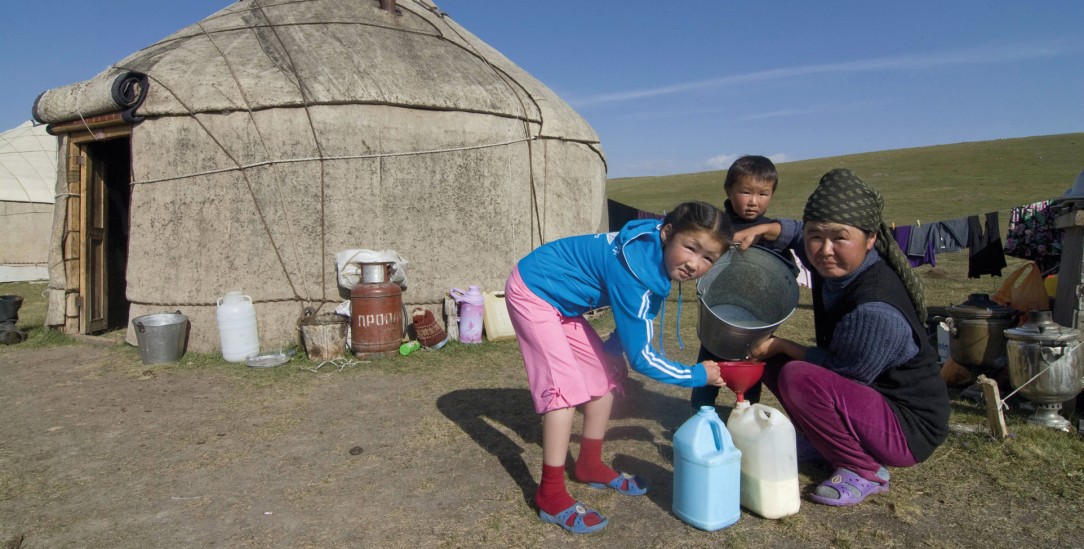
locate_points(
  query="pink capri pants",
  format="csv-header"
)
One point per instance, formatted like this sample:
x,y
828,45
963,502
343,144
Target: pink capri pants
x,y
565,362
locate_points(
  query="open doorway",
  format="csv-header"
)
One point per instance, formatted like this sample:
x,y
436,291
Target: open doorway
x,y
107,204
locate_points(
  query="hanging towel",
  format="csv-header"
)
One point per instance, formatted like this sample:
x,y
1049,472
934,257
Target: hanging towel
x,y
951,235
902,234
986,256
937,238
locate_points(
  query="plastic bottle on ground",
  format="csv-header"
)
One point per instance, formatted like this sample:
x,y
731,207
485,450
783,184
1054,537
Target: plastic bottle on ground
x,y
769,462
706,472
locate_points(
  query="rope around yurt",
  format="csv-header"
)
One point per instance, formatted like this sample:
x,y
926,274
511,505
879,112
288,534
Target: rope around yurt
x,y
322,158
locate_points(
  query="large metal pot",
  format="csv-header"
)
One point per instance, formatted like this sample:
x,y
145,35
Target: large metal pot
x,y
743,299
1045,366
977,333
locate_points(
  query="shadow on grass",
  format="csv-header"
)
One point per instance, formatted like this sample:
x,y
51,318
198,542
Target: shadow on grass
x,y
477,411
471,408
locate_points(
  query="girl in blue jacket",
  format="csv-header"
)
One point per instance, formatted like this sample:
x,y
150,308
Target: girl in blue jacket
x,y
567,363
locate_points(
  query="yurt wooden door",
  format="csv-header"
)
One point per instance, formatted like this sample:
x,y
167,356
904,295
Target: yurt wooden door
x,y
94,285
106,194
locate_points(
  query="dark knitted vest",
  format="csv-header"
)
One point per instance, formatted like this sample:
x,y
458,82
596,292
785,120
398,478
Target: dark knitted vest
x,y
914,389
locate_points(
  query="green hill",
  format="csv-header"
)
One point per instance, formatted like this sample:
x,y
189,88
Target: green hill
x,y
925,183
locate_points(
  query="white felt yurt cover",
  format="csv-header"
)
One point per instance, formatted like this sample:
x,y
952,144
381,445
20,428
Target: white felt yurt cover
x,y
272,135
27,187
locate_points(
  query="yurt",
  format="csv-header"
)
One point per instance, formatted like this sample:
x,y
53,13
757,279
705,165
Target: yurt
x,y
28,179
244,151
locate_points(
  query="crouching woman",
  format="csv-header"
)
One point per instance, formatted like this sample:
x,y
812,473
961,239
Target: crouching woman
x,y
869,395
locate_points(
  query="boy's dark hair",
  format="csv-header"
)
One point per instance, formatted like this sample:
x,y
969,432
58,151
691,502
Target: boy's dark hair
x,y
757,167
701,216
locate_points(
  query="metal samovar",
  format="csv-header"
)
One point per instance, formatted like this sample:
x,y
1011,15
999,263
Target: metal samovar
x,y
1045,366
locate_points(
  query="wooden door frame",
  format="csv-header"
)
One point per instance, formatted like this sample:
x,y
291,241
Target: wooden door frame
x,y
78,217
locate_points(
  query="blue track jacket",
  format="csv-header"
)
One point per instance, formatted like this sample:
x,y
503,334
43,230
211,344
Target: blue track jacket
x,y
622,270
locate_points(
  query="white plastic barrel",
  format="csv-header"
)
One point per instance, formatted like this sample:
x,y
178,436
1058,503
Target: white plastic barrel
x,y
237,327
769,459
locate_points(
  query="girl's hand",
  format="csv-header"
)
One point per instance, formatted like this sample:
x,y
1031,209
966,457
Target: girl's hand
x,y
618,367
714,377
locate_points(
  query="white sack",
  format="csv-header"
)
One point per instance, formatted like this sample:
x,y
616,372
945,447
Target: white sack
x,y
349,264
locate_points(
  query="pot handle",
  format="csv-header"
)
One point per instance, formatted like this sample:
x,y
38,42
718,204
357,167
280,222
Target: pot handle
x,y
1052,354
948,322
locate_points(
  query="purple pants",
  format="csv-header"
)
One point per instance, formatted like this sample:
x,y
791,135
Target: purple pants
x,y
849,423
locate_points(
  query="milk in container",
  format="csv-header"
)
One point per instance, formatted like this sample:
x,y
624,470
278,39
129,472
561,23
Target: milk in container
x,y
769,462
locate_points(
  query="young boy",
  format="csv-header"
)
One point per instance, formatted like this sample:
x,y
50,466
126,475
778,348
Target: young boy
x,y
749,185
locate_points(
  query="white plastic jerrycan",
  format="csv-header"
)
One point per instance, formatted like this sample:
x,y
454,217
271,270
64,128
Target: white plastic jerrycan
x,y
237,327
706,472
769,459
472,306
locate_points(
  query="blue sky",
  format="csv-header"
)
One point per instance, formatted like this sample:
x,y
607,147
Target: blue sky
x,y
676,87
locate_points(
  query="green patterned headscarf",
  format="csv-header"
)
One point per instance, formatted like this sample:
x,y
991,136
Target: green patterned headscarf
x,y
843,198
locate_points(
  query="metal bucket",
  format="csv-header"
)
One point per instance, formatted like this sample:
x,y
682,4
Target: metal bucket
x,y
323,335
743,299
162,337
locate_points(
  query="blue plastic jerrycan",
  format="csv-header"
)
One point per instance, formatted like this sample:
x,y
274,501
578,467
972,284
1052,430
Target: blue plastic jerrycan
x,y
707,472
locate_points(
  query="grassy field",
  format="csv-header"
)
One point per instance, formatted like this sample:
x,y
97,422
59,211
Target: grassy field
x,y
921,184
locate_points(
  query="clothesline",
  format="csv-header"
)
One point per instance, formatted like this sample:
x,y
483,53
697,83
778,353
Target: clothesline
x,y
1030,235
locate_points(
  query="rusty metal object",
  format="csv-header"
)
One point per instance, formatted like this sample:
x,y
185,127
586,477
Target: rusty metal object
x,y
376,314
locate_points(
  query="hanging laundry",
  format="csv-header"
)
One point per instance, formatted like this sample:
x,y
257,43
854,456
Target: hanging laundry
x,y
986,255
1032,235
805,277
902,234
620,214
650,215
945,236
952,235
920,246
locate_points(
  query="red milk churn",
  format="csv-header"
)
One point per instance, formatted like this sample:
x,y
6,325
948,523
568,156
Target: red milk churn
x,y
376,313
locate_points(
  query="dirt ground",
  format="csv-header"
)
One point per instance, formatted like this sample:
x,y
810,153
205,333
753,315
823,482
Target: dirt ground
x,y
98,450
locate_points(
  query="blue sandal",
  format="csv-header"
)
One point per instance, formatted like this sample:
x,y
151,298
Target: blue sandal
x,y
578,526
852,489
630,485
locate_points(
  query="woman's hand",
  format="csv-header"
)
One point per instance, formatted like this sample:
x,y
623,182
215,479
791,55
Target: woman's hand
x,y
764,349
778,346
714,376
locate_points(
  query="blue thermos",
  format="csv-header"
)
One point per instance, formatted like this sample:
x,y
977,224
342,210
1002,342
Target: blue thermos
x,y
707,472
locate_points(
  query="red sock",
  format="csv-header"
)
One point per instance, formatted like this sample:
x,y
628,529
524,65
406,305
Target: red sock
x,y
589,466
552,495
